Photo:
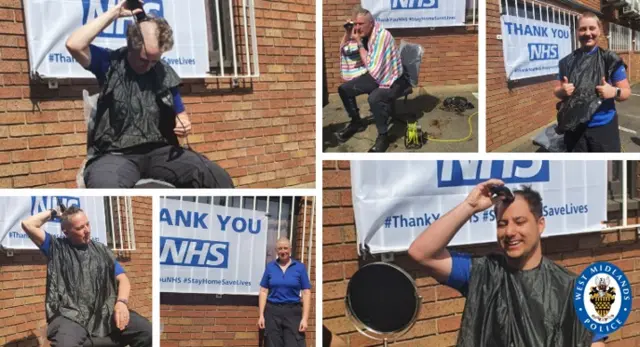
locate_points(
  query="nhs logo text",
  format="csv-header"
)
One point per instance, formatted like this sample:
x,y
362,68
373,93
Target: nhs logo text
x,y
413,4
44,203
455,173
192,252
117,29
543,51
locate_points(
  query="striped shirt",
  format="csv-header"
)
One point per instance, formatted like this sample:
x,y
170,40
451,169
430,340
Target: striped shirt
x,y
351,65
383,58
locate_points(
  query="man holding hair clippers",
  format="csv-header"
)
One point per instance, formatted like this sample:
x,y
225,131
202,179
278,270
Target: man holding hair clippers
x,y
516,297
140,112
87,289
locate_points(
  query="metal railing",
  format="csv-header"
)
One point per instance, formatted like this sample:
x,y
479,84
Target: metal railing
x,y
232,38
472,17
529,9
619,37
119,223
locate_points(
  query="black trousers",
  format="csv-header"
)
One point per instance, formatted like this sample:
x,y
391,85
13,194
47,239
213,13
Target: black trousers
x,y
380,99
64,332
604,138
281,325
181,167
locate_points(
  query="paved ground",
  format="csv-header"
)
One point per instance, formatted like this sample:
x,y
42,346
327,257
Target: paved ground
x,y
422,104
628,121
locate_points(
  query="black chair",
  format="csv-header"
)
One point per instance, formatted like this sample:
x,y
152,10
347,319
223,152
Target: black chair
x,y
411,56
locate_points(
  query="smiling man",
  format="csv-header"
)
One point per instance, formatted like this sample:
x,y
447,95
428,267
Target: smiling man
x,y
140,112
515,298
87,291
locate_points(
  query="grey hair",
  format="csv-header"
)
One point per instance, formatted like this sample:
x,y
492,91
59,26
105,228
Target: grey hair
x,y
65,219
164,34
283,239
359,10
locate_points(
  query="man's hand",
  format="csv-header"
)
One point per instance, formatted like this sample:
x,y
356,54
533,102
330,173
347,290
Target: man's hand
x,y
261,322
567,87
121,315
124,11
183,125
605,90
303,325
479,199
356,35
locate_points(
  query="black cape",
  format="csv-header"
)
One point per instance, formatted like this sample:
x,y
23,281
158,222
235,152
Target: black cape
x,y
520,308
585,71
133,110
81,285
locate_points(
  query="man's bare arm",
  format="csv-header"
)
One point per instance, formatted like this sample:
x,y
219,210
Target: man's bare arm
x,y
78,42
32,226
429,249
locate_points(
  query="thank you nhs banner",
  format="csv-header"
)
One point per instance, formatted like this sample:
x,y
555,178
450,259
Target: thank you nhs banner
x,y
14,209
207,248
532,47
395,201
50,22
417,13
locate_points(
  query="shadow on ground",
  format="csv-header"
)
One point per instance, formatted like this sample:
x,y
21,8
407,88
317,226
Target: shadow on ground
x,y
422,107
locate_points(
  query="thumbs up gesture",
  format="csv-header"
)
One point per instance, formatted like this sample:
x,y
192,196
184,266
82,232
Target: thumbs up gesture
x,y
567,87
605,90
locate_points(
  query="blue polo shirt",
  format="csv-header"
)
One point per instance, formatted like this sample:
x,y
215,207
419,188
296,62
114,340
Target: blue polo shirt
x,y
284,287
45,247
607,110
461,274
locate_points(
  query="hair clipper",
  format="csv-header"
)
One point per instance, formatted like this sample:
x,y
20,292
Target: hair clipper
x,y
135,4
501,191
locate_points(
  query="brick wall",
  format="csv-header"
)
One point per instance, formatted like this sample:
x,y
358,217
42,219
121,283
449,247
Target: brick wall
x,y
450,58
262,132
442,307
529,104
229,320
23,279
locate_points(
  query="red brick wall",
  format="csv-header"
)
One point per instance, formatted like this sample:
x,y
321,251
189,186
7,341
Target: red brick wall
x,y
230,320
442,307
451,53
23,279
263,132
529,104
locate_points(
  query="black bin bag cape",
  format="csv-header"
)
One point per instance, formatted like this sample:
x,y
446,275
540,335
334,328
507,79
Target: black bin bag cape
x,y
81,285
512,308
585,71
133,110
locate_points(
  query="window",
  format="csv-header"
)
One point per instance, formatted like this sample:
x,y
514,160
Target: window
x,y
119,223
615,197
233,49
619,37
472,12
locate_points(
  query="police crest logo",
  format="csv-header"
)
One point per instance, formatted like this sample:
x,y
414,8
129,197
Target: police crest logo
x,y
602,297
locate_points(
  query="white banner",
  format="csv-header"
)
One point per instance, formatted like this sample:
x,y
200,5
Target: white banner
x,y
395,201
532,47
50,22
14,209
417,13
206,248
